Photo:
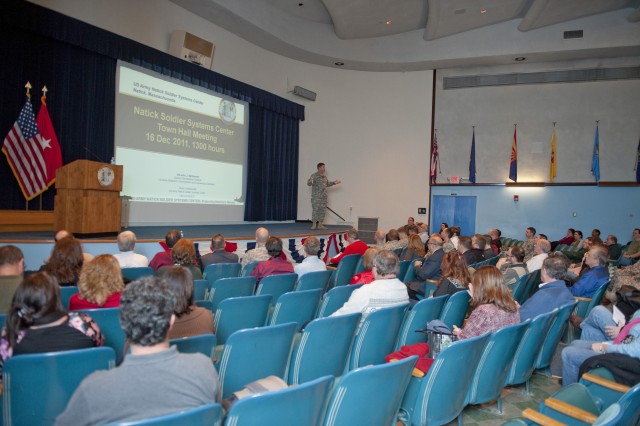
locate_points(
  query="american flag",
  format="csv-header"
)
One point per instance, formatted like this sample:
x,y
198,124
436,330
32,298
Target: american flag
x,y
24,148
434,159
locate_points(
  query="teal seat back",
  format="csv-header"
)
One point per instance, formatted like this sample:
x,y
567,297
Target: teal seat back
x,y
493,261
66,293
584,307
344,272
533,280
3,319
381,386
440,396
606,395
277,285
296,306
313,280
491,371
133,274
37,387
311,359
323,348
237,313
624,412
200,288
253,354
108,319
519,287
404,266
377,336
455,309
215,271
204,344
210,414
575,395
417,318
297,405
248,269
410,274
335,298
225,288
553,336
529,348
359,266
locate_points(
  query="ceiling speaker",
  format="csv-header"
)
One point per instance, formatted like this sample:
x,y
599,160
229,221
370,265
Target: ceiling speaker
x,y
304,93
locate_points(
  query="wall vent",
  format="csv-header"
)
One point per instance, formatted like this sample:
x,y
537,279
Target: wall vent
x,y
367,227
573,34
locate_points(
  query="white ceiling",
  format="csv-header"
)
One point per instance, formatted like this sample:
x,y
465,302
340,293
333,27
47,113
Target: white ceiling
x,y
405,35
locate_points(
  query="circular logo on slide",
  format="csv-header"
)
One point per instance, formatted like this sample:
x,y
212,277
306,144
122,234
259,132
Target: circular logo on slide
x,y
227,111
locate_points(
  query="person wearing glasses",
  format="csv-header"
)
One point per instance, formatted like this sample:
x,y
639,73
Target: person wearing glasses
x,y
514,267
596,258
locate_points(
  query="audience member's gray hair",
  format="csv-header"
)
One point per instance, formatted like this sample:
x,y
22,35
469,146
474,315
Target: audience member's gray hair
x,y
274,246
556,266
386,262
602,253
545,245
146,307
217,242
353,233
312,246
126,241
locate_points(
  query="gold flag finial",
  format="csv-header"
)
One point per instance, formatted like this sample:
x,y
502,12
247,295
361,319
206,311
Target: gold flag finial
x,y
28,87
43,99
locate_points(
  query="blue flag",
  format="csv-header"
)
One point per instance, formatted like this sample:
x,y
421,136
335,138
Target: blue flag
x,y
472,159
595,161
513,167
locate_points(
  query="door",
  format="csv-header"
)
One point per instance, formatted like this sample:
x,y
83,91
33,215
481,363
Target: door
x,y
454,210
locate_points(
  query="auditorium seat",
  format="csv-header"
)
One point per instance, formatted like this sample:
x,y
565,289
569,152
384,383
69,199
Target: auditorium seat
x,y
455,309
204,344
210,414
601,385
410,274
344,271
296,306
254,353
225,288
65,295
237,313
370,395
276,285
404,266
220,270
312,280
323,348
248,269
108,319
553,337
359,266
417,318
518,289
133,274
200,288
585,305
335,298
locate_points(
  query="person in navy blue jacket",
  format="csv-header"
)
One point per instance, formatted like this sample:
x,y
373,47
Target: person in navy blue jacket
x,y
553,291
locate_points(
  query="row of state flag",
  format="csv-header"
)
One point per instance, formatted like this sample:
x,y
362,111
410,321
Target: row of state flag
x,y
513,163
32,149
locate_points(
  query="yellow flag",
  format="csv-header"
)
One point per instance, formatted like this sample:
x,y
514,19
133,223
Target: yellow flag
x,y
552,167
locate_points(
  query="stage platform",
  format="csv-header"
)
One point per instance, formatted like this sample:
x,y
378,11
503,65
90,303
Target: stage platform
x,y
37,245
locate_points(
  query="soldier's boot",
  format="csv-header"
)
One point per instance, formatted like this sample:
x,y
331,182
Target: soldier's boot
x,y
314,225
321,226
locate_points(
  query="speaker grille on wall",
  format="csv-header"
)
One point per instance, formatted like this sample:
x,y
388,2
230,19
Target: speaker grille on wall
x,y
192,48
304,93
573,34
367,227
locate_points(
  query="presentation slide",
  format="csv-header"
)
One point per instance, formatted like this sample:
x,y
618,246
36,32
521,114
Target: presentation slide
x,y
179,145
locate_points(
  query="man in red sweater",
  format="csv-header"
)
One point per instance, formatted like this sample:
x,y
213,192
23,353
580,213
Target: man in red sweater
x,y
355,246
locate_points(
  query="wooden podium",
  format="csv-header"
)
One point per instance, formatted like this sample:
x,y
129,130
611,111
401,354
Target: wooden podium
x,y
88,197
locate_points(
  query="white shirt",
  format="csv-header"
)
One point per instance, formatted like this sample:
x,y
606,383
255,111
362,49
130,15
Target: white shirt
x,y
454,241
129,259
535,262
379,294
309,264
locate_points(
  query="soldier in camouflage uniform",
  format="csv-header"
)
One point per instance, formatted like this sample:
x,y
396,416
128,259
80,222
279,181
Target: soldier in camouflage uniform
x,y
319,183
530,244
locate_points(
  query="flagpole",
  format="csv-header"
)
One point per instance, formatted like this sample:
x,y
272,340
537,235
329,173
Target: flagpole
x,y
43,100
28,87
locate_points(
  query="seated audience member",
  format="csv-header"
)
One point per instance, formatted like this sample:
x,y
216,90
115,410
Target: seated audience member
x,y
100,284
577,255
63,233
127,258
218,253
415,249
529,244
385,291
37,323
393,240
191,320
597,274
599,325
552,292
595,233
492,303
626,341
496,242
470,254
366,277
259,253
540,253
11,274
514,267
428,268
446,235
403,235
411,221
155,379
542,237
577,240
275,265
568,239
412,230
164,258
455,275
183,254
443,226
615,249
311,262
488,250
628,276
379,238
65,262
455,236
423,230
355,246
632,254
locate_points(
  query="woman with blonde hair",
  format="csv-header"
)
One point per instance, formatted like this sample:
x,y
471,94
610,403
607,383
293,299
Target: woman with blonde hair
x,y
492,303
455,275
366,277
415,248
100,284
183,254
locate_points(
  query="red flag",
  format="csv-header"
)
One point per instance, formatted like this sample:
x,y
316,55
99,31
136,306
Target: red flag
x,y
50,147
435,157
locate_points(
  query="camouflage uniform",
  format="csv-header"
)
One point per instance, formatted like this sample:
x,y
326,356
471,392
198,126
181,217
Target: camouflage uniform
x,y
528,248
318,184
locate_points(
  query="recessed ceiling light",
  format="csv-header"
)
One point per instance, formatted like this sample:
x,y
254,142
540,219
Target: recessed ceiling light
x,y
388,22
483,11
520,58
339,63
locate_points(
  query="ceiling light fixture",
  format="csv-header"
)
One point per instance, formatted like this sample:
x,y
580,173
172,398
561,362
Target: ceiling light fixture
x,y
339,63
483,11
520,59
388,22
